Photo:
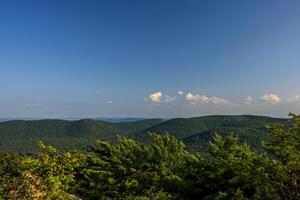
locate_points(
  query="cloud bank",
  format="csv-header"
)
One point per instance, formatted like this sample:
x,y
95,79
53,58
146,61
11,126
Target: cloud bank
x,y
159,97
271,98
203,99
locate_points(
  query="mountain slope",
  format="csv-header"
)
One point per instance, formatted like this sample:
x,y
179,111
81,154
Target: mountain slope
x,y
22,136
196,132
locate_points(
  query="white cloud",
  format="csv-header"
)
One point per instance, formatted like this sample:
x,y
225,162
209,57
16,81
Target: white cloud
x,y
203,99
98,91
270,98
109,102
158,97
294,99
248,100
155,97
180,92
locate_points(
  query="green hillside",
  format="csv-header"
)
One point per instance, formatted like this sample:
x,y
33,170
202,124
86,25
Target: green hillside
x,y
196,132
22,136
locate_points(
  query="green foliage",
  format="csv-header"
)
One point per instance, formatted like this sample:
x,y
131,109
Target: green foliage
x,y
239,172
286,148
162,169
14,182
56,171
48,175
128,168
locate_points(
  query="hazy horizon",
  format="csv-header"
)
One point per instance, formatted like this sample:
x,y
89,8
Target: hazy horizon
x,y
166,59
123,119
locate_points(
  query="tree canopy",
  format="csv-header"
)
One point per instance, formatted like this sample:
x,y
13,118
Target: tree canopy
x,y
161,169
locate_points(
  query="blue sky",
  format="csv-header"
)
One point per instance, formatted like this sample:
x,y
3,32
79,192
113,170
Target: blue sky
x,y
131,58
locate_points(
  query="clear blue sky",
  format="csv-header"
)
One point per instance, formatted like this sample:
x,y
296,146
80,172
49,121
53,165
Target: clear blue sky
x,y
105,58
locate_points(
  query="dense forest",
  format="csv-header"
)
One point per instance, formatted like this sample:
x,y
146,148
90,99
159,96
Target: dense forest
x,y
160,169
21,136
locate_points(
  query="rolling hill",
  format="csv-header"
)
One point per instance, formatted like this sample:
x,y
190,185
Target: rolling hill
x,y
196,132
21,136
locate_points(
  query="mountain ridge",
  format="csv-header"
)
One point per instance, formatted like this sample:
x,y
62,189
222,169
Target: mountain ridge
x,y
21,135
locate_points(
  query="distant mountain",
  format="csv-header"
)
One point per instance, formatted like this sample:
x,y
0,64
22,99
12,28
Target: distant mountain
x,y
3,120
119,119
21,136
107,119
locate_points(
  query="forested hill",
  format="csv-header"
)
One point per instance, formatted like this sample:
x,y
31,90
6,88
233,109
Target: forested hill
x,y
196,132
22,136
